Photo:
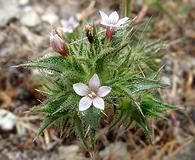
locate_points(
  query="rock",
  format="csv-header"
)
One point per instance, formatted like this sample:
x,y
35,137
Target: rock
x,y
3,36
23,2
50,17
115,151
77,2
190,33
70,153
8,9
39,9
186,153
166,80
30,17
30,36
7,120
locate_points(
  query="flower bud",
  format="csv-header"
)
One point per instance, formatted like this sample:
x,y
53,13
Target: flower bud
x,y
109,32
175,120
58,44
89,35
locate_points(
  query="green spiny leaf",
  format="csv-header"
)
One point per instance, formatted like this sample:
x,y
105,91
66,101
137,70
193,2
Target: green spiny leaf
x,y
54,63
48,120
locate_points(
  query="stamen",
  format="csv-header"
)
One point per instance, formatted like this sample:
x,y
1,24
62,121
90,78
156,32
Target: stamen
x,y
92,94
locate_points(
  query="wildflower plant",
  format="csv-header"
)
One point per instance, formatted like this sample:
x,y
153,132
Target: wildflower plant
x,y
95,77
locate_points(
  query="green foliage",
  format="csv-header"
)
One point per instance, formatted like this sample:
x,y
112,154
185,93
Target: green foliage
x,y
126,63
159,5
184,8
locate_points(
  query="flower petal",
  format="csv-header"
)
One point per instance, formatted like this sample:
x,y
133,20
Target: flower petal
x,y
69,25
94,82
71,20
113,17
103,91
98,103
67,29
107,24
104,17
85,103
81,89
122,21
56,42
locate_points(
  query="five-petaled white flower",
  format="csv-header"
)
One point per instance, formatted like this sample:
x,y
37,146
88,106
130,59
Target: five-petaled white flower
x,y
112,20
92,94
69,25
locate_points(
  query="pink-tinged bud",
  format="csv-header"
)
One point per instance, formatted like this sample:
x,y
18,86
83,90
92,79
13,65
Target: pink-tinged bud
x,y
109,32
58,44
174,120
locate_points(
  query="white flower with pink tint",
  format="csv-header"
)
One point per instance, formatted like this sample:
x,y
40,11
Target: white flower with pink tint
x,y
69,25
92,93
112,20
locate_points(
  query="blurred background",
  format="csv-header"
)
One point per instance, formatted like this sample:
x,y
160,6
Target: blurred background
x,y
24,35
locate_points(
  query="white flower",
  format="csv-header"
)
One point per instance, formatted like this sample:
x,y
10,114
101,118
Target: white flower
x,y
112,20
92,94
69,25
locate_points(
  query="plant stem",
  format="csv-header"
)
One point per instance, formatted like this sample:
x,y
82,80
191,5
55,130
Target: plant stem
x,y
125,7
94,155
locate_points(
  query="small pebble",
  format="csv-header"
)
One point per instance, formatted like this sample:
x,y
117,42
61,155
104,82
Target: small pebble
x,y
30,17
7,120
50,17
70,153
23,2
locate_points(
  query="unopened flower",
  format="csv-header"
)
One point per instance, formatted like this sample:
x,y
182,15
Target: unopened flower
x,y
92,93
112,20
58,44
175,120
69,25
109,32
89,34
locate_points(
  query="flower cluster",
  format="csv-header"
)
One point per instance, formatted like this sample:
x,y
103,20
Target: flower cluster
x,y
93,93
112,22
